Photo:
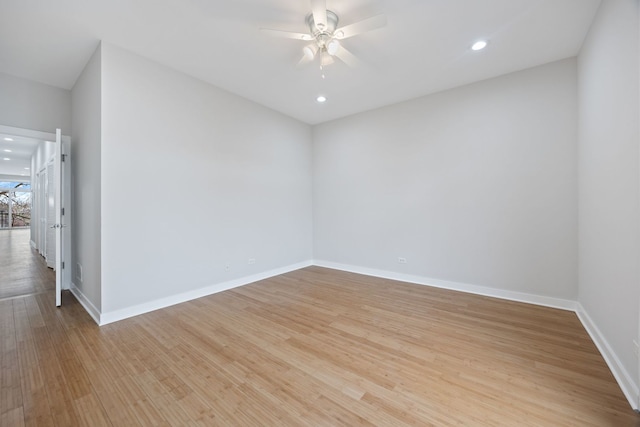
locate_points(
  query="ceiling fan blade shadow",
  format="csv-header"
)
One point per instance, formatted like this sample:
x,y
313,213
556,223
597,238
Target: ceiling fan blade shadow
x,y
347,57
369,24
286,34
319,11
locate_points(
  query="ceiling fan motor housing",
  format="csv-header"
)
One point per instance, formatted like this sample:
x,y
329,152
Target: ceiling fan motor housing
x,y
323,35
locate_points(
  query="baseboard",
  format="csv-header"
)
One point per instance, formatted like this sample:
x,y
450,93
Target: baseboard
x,y
560,303
628,386
84,301
124,313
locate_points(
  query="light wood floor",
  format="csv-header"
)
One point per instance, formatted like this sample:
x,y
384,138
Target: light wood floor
x,y
315,347
22,270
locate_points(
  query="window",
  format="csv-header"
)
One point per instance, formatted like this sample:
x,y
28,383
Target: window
x,y
15,204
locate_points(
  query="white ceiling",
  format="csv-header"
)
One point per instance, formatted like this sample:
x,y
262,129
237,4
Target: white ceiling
x,y
423,49
18,150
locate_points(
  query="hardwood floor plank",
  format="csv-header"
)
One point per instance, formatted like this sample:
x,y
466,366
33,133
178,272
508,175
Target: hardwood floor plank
x,y
24,271
12,418
35,402
10,380
90,412
309,348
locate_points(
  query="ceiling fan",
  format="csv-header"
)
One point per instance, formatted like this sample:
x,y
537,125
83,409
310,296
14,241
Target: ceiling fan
x,y
325,37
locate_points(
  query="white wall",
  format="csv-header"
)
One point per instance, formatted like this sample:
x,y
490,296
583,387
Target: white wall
x,y
30,105
193,178
475,185
85,158
609,179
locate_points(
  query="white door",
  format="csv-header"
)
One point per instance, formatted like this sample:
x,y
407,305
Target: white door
x,y
57,190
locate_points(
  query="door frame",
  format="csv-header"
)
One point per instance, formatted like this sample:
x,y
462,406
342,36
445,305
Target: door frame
x,y
65,253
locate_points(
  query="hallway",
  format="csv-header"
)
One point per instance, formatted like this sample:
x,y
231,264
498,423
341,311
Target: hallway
x,y
22,270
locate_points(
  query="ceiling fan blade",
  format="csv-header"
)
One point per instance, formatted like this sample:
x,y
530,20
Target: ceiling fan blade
x,y
286,34
303,61
360,27
319,11
347,57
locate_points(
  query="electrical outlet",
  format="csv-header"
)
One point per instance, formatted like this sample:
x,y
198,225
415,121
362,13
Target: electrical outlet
x,y
402,260
636,348
79,271
227,266
252,261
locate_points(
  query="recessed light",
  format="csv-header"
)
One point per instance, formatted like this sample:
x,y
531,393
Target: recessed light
x,y
479,45
6,158
27,169
7,151
8,139
321,99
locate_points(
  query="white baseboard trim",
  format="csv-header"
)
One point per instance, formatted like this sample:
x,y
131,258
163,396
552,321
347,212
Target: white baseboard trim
x,y
84,301
626,382
124,313
563,304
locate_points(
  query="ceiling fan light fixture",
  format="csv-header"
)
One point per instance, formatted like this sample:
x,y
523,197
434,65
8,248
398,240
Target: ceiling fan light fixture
x,y
325,58
333,46
310,51
326,37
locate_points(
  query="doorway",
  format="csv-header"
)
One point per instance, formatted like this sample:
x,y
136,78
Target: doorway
x,y
29,246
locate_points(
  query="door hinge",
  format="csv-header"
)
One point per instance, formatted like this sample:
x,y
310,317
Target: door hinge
x,y
62,264
62,211
64,157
